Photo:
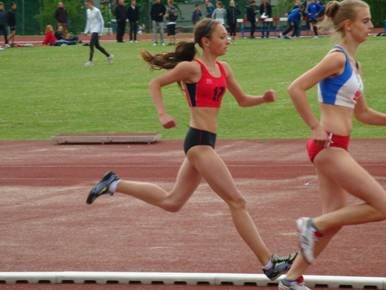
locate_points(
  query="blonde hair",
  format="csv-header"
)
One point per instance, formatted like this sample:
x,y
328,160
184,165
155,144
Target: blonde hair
x,y
49,28
338,12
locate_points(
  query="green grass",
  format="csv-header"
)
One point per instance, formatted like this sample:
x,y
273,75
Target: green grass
x,y
46,90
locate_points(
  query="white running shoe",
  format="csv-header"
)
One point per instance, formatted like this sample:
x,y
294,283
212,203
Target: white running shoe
x,y
110,59
307,238
89,63
298,284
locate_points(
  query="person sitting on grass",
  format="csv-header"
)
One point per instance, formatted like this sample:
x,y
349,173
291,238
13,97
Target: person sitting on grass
x,y
50,39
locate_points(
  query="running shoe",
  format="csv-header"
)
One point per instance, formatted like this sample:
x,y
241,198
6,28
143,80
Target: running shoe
x,y
89,63
110,59
102,187
307,238
298,284
280,265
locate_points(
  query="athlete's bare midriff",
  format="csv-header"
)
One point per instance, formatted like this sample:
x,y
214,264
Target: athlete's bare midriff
x,y
204,118
336,119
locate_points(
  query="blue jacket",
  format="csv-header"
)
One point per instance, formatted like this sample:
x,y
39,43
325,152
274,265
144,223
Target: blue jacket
x,y
295,15
314,10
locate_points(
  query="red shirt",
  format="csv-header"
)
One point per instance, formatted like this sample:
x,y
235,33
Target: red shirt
x,y
49,38
209,90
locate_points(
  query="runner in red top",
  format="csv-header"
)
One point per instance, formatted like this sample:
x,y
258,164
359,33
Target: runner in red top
x,y
204,81
209,90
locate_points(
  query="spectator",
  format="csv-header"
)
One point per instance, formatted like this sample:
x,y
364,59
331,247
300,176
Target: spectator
x,y
196,15
157,14
314,11
95,25
11,21
209,8
265,10
171,17
50,39
61,16
251,17
133,15
219,13
294,18
3,24
232,15
121,16
60,35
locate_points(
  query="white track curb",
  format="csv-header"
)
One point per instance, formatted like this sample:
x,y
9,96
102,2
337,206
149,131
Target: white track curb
x,y
184,279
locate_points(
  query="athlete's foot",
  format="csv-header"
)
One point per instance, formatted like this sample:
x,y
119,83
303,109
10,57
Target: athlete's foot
x,y
298,284
102,187
279,265
307,238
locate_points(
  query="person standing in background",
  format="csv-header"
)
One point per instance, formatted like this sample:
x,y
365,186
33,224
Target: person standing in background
x,y
265,10
121,16
3,24
232,15
171,17
11,22
61,16
157,14
95,25
251,17
209,8
196,15
219,13
133,16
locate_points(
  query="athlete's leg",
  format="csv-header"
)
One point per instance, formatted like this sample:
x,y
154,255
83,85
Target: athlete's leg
x,y
215,172
338,165
333,197
187,181
342,171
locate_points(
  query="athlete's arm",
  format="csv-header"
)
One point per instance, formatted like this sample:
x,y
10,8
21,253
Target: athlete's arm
x,y
331,64
183,72
367,115
243,99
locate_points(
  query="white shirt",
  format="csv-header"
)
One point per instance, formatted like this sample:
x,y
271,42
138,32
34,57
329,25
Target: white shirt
x,y
95,21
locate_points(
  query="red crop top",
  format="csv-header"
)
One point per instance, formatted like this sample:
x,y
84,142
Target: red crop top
x,y
208,91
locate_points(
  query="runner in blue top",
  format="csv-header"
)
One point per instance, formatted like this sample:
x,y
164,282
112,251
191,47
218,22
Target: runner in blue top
x,y
341,97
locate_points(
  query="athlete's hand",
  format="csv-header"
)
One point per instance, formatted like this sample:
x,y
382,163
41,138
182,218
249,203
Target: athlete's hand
x,y
269,96
167,121
320,136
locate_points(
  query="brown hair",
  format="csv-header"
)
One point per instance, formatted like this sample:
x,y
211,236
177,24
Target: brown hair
x,y
185,51
338,12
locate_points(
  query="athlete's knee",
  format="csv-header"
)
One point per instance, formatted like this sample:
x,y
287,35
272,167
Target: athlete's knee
x,y
238,203
172,206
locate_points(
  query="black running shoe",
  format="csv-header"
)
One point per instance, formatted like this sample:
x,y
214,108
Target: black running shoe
x,y
280,265
102,187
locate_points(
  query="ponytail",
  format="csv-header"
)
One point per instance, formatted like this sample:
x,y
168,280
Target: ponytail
x,y
185,51
332,8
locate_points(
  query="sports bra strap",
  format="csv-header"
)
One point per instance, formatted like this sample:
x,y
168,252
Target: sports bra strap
x,y
222,69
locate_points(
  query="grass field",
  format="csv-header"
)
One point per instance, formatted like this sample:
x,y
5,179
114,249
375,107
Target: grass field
x,y
45,91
